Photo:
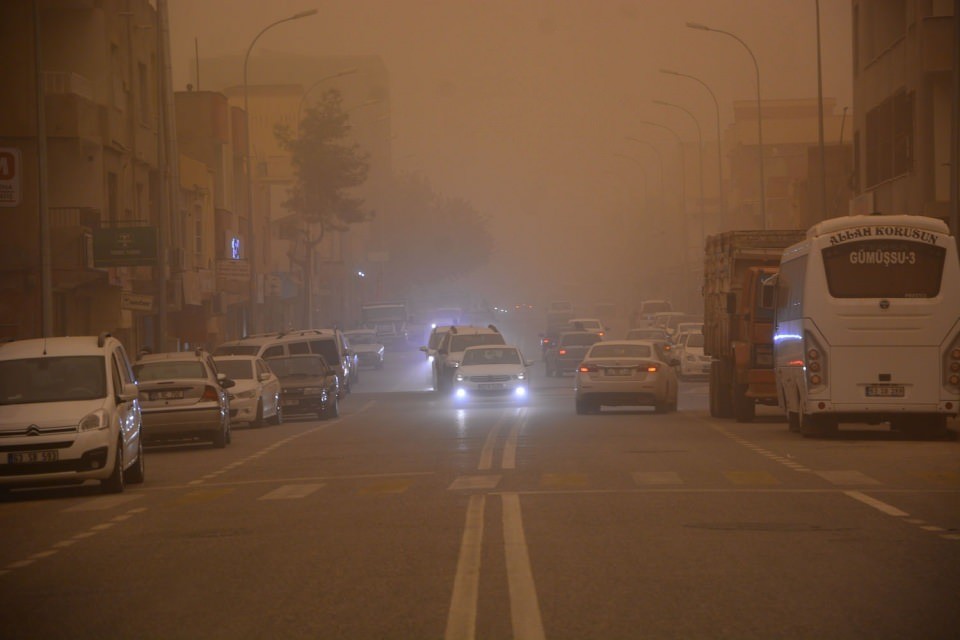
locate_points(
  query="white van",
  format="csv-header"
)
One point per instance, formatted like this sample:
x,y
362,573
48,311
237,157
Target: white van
x,y
69,412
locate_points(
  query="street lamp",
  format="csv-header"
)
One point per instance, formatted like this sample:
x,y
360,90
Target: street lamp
x,y
303,98
763,186
716,105
699,158
250,251
656,151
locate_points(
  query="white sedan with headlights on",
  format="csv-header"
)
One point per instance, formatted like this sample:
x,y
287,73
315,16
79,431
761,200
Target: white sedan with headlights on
x,y
625,373
494,371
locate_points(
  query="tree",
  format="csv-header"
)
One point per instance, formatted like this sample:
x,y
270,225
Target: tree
x,y
431,237
326,166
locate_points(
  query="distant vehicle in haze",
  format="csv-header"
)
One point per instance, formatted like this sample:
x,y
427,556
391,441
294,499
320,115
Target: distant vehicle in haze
x,y
255,398
366,347
647,310
569,349
307,384
450,352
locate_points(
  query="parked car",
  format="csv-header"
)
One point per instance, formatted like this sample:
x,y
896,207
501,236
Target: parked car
x,y
69,412
564,355
625,373
329,343
366,347
255,398
454,343
307,384
492,371
184,396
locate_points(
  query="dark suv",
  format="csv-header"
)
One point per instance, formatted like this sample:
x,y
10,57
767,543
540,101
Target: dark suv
x,y
568,351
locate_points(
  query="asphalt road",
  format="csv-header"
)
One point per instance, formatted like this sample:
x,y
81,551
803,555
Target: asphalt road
x,y
411,517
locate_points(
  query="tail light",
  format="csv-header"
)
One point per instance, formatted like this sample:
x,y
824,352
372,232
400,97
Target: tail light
x,y
951,366
653,368
816,364
211,394
588,368
562,352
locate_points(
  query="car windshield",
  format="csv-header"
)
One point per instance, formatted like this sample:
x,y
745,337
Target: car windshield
x,y
491,356
236,369
299,366
461,342
170,370
620,351
52,379
362,338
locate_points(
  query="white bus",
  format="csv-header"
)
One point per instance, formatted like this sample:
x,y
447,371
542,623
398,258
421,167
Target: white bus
x,y
867,325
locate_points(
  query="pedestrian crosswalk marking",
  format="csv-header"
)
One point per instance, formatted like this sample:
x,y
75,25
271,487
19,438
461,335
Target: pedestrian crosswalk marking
x,y
847,478
291,492
466,483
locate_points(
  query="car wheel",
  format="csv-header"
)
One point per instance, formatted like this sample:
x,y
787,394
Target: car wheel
x,y
258,419
332,410
220,437
114,484
135,474
278,414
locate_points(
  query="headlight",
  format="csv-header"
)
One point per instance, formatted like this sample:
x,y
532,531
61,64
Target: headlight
x,y
521,376
458,377
454,363
252,393
93,421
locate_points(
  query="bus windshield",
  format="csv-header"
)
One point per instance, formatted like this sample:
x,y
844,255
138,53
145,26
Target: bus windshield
x,y
884,269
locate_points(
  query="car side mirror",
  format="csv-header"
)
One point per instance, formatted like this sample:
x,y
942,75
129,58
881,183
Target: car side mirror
x,y
129,391
226,383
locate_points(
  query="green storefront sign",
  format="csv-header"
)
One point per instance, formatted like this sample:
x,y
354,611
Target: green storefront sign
x,y
125,247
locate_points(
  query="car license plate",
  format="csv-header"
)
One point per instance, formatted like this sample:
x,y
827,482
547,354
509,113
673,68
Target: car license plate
x,y
27,457
491,386
886,391
621,371
167,395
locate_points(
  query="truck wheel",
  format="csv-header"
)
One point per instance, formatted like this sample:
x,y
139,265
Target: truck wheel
x,y
721,389
744,409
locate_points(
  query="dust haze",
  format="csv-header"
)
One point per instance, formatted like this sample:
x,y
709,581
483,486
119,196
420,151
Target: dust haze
x,y
522,108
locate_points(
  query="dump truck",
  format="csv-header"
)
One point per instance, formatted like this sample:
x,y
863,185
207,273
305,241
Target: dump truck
x,y
737,326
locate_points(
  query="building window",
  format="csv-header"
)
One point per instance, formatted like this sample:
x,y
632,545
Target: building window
x,y
889,138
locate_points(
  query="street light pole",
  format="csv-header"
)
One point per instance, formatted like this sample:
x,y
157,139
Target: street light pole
x,y
763,180
703,234
249,249
716,106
